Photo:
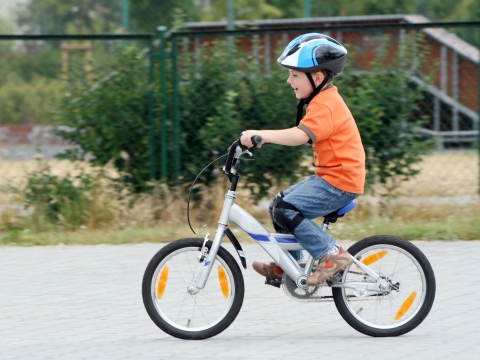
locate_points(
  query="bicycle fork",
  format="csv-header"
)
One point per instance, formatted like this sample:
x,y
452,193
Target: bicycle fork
x,y
200,279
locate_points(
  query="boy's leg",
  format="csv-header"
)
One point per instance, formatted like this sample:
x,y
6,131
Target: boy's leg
x,y
296,254
312,199
271,270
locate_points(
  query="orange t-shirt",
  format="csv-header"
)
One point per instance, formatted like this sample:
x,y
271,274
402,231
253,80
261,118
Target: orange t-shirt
x,y
338,152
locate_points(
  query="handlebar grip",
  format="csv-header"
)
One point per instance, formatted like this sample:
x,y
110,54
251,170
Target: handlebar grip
x,y
257,139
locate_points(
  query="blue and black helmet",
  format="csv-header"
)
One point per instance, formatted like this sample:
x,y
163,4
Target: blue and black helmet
x,y
312,52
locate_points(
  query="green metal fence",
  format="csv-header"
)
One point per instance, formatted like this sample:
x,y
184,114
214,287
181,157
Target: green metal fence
x,y
451,103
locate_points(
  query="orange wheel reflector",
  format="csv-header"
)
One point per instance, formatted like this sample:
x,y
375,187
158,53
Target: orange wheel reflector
x,y
162,283
374,257
222,277
406,305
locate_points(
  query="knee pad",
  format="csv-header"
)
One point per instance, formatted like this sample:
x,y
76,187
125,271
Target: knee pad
x,y
272,205
280,219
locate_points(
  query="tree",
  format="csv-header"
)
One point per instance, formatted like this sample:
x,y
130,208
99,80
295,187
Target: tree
x,y
244,10
5,28
95,16
147,15
70,16
102,16
289,8
457,10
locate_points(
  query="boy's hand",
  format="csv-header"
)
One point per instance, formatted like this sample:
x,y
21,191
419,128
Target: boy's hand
x,y
246,138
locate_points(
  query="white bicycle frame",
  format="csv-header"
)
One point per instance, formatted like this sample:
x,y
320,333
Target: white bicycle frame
x,y
277,246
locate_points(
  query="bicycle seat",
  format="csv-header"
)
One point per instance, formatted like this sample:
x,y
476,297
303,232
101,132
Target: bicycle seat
x,y
333,216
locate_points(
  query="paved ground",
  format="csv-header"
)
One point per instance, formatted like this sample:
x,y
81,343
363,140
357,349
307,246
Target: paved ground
x,y
84,302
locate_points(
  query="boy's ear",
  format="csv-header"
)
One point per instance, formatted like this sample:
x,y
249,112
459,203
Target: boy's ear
x,y
319,76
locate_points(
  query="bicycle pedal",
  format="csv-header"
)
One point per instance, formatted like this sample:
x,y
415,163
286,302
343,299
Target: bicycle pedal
x,y
273,282
335,279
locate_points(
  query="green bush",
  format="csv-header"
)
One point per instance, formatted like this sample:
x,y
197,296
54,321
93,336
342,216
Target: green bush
x,y
41,62
71,201
30,102
223,92
109,111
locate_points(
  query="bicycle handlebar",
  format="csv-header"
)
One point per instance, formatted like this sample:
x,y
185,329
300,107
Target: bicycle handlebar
x,y
257,139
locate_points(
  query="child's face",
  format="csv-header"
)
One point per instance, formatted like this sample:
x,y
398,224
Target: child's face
x,y
300,84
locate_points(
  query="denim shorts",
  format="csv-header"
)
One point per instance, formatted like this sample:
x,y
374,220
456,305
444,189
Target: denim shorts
x,y
314,197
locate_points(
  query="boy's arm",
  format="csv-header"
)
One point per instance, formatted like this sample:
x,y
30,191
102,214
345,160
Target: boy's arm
x,y
290,137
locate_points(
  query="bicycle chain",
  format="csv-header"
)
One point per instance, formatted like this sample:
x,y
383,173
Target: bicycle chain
x,y
350,272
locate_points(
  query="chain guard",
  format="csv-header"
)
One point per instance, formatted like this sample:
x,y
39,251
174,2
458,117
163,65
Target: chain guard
x,y
323,292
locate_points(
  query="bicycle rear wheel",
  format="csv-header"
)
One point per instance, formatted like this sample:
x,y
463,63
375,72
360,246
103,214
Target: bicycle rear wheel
x,y
411,291
180,313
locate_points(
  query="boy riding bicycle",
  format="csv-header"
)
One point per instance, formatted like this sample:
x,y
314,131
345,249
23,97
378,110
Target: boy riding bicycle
x,y
312,61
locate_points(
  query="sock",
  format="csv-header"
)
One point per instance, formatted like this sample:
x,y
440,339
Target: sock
x,y
334,251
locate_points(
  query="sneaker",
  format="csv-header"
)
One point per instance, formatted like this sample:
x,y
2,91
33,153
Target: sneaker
x,y
271,270
328,266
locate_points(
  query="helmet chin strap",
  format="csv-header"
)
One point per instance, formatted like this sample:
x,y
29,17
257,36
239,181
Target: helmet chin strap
x,y
310,78
316,90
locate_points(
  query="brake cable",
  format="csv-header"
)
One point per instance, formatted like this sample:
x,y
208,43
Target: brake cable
x,y
191,188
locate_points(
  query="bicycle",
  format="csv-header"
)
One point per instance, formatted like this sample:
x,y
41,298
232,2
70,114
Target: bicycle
x,y
194,289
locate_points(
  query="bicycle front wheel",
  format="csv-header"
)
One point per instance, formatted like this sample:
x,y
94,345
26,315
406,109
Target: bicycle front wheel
x,y
178,312
410,294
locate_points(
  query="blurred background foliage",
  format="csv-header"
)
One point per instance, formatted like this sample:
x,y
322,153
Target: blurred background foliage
x,y
96,16
226,91
23,64
221,93
386,106
109,110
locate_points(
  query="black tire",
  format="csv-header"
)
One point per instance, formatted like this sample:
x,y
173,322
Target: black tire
x,y
408,301
179,313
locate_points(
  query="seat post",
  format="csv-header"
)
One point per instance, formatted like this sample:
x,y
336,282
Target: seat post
x,y
326,225
334,215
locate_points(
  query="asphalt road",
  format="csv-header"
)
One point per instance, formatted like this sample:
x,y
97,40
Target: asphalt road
x,y
84,302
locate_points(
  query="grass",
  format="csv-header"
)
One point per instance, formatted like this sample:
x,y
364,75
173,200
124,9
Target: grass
x,y
441,203
444,174
462,224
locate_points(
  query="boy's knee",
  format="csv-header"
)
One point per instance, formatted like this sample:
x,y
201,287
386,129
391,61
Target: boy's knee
x,y
277,210
273,205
